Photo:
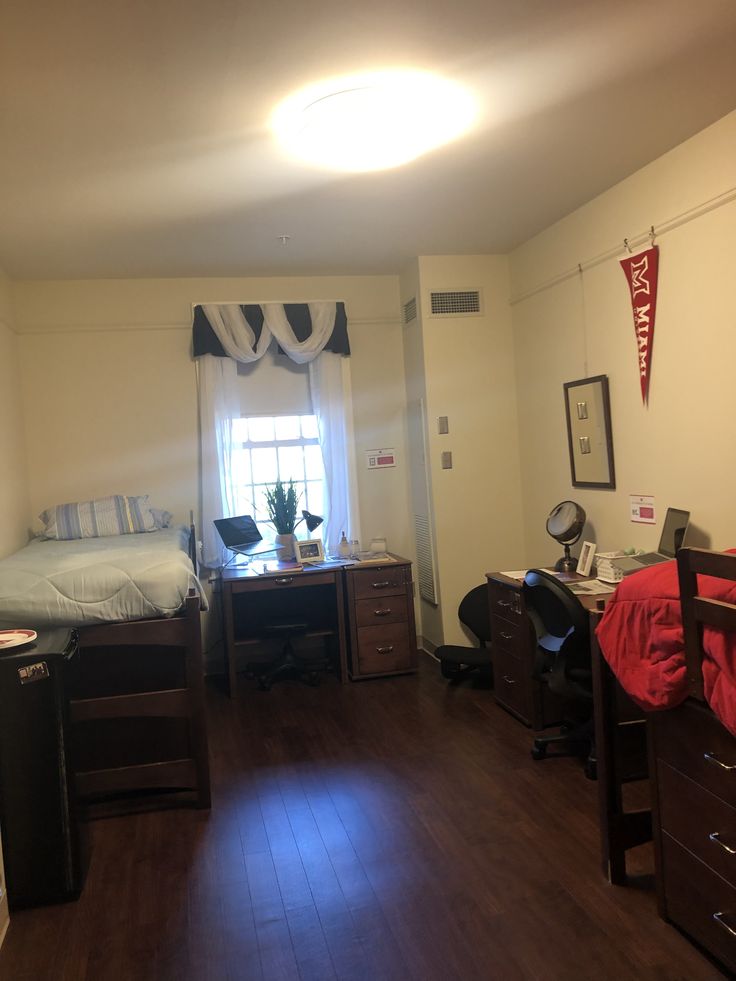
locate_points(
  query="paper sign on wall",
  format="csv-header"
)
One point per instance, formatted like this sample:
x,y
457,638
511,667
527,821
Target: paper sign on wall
x,y
377,459
642,509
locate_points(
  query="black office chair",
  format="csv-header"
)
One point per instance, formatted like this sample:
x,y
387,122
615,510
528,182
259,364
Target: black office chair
x,y
562,662
287,663
457,662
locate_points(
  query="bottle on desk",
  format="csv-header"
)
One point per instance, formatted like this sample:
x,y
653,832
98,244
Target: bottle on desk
x,y
343,549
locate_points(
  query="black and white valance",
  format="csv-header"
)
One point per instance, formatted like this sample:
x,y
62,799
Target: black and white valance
x,y
243,331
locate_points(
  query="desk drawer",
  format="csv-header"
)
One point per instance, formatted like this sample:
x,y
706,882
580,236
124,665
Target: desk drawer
x,y
505,601
700,901
692,740
690,815
381,609
285,581
384,649
510,684
379,580
509,635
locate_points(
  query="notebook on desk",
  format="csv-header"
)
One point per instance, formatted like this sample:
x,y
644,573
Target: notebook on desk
x,y
671,540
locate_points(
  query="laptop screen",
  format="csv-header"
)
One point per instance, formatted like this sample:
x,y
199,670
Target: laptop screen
x,y
673,532
239,531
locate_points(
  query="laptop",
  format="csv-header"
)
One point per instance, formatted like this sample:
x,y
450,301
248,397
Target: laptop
x,y
241,535
671,540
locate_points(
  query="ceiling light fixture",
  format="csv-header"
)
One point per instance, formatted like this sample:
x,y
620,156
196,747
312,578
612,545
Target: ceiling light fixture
x,y
373,121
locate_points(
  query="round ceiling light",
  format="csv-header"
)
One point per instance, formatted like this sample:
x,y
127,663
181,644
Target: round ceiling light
x,y
374,121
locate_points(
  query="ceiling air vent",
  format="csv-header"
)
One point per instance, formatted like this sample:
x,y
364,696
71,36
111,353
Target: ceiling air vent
x,y
410,310
455,303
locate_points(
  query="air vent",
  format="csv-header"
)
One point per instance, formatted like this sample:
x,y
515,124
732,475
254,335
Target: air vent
x,y
457,303
410,310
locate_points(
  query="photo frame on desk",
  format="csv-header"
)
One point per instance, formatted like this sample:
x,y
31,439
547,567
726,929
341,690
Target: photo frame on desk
x,y
309,550
585,562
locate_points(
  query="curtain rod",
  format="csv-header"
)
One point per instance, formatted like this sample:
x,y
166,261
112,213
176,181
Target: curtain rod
x,y
616,251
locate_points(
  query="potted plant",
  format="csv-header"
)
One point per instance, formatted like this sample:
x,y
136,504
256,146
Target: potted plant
x,y
282,501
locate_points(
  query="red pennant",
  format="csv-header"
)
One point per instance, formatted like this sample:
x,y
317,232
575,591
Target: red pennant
x,y
641,274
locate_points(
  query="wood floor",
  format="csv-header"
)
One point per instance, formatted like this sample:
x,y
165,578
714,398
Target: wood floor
x,y
389,829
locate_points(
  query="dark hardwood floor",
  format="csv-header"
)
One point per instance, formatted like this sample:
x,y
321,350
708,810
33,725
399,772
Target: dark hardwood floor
x,y
389,829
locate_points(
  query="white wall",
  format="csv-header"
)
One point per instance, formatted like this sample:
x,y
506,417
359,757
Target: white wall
x,y
14,481
681,447
109,387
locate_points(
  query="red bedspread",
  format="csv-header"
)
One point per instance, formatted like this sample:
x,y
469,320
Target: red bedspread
x,y
641,637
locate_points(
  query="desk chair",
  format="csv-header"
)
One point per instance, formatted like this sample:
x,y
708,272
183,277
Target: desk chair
x,y
457,662
562,661
287,663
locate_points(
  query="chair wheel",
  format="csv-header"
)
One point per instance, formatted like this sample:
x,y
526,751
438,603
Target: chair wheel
x,y
539,752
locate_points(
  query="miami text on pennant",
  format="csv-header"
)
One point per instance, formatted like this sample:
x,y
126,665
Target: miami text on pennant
x,y
641,274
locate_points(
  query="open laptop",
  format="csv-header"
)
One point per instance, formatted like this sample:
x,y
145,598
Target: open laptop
x,y
241,535
671,540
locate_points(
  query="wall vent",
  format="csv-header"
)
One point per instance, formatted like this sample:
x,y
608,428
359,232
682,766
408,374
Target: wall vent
x,y
455,303
425,563
410,310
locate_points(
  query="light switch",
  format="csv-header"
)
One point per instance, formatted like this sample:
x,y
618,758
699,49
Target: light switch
x,y
443,425
446,460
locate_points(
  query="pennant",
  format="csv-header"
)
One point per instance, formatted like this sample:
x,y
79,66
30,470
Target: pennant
x,y
641,274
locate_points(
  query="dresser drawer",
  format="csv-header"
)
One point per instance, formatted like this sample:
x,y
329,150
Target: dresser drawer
x,y
692,740
691,815
383,608
505,601
385,649
509,635
510,684
379,580
699,901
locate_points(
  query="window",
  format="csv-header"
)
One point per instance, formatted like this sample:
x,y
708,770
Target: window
x,y
266,448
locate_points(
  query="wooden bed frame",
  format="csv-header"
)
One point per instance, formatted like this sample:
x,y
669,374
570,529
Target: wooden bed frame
x,y
138,729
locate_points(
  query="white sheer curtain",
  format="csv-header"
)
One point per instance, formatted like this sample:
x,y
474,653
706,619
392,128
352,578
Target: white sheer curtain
x,y
329,380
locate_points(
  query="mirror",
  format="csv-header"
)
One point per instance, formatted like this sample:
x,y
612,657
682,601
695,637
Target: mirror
x,y
589,439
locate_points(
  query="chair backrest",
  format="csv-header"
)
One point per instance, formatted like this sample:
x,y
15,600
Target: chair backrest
x,y
562,626
699,611
475,613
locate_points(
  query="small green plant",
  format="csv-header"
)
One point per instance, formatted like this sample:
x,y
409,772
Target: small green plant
x,y
282,501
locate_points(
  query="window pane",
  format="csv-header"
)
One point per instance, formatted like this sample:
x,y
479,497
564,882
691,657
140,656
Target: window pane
x,y
315,499
265,470
260,429
240,430
291,463
313,463
287,427
309,427
241,467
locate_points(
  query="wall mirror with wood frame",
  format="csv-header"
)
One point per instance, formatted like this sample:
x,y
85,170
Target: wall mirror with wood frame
x,y
589,438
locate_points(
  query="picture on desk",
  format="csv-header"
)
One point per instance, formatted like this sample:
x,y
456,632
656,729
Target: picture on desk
x,y
310,550
585,562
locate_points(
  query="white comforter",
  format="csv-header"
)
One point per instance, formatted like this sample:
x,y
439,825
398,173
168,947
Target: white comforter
x,y
97,580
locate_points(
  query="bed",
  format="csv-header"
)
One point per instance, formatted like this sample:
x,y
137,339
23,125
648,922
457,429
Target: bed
x,y
136,691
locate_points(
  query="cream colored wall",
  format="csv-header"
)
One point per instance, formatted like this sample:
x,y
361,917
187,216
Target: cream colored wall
x,y
680,447
118,412
469,377
14,482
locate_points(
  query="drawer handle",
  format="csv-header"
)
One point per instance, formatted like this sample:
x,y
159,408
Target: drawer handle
x,y
712,758
509,681
381,613
385,650
504,604
506,636
284,581
716,837
382,585
718,917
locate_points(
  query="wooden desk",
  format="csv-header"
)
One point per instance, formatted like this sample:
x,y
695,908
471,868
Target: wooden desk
x,y
366,611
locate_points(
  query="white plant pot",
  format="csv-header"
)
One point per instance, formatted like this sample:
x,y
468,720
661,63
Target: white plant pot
x,y
289,550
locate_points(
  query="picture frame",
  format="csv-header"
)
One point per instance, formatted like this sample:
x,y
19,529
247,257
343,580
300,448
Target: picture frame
x,y
589,434
309,550
585,562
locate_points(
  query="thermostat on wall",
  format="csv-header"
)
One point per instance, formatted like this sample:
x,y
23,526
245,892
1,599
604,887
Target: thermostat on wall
x,y
377,459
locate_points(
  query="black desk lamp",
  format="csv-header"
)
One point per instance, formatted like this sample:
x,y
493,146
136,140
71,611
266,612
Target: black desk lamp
x,y
312,521
565,525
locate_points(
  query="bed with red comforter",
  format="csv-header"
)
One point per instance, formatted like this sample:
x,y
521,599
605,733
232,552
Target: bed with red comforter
x,y
641,638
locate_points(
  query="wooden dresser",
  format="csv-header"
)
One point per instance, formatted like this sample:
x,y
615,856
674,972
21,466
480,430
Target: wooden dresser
x,y
380,614
514,644
693,768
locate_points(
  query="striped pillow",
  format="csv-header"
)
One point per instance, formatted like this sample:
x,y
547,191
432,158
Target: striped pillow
x,y
116,515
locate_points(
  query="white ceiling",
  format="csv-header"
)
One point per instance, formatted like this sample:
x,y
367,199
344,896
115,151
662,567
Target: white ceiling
x,y
134,137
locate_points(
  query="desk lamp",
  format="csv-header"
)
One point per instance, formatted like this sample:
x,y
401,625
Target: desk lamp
x,y
565,525
312,521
